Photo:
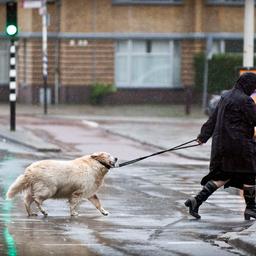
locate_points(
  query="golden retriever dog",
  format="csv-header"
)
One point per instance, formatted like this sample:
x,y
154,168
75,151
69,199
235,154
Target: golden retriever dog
x,y
75,180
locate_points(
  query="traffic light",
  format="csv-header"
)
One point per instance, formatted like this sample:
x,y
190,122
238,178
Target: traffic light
x,y
11,28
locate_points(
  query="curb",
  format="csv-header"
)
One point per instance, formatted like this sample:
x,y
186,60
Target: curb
x,y
244,240
245,243
28,139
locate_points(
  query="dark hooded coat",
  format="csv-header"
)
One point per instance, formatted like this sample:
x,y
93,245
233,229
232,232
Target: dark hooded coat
x,y
231,127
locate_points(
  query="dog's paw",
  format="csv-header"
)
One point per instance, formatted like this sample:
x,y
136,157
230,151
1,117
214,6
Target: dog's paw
x,y
33,214
73,214
104,212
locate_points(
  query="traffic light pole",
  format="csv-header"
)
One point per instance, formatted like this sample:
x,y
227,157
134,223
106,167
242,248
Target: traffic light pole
x,y
12,86
11,31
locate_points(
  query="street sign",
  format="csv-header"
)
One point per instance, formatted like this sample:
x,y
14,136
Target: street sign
x,y
245,70
31,3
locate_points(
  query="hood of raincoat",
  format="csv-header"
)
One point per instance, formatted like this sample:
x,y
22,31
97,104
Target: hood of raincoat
x,y
247,83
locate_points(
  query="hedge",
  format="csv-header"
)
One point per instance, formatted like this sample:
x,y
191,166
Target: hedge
x,y
222,71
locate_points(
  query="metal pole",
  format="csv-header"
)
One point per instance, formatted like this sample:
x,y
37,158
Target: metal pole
x,y
208,56
248,33
57,55
12,85
205,84
44,50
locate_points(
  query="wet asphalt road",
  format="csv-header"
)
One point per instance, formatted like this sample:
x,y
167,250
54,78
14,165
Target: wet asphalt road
x,y
147,215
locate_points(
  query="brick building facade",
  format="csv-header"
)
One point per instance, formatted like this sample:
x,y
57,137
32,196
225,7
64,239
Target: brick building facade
x,y
144,48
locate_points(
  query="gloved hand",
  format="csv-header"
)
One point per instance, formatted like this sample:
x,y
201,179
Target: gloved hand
x,y
199,142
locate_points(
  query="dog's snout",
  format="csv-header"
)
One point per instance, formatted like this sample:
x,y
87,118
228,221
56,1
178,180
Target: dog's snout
x,y
116,159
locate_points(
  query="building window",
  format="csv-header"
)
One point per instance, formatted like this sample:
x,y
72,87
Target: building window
x,y
147,1
147,64
234,46
4,62
229,46
226,2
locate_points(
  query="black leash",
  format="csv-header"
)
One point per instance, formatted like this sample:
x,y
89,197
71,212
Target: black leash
x,y
181,146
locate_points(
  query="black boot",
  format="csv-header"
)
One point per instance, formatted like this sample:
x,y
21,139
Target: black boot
x,y
202,196
249,197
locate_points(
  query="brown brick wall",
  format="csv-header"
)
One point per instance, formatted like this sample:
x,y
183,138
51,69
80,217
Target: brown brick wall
x,y
34,62
192,16
79,94
188,50
79,65
102,16
30,68
2,15
146,96
25,18
223,19
30,20
84,65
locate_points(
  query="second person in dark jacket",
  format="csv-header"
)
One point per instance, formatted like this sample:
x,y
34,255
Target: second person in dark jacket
x,y
233,153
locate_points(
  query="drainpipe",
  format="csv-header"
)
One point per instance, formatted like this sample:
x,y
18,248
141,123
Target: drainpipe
x,y
94,24
44,51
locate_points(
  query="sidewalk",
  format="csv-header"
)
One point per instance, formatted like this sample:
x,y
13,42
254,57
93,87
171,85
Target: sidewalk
x,y
162,127
28,139
162,131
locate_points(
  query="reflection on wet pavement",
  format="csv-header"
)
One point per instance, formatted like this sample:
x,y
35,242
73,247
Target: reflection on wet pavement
x,y
147,217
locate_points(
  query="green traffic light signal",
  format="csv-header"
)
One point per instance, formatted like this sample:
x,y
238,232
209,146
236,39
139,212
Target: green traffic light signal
x,y
11,28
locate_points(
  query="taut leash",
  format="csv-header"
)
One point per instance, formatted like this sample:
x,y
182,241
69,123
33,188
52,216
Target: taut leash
x,y
181,146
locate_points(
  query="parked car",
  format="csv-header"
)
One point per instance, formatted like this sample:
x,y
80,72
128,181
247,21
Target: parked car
x,y
215,98
213,102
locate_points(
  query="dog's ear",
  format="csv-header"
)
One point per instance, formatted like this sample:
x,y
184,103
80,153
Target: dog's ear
x,y
98,156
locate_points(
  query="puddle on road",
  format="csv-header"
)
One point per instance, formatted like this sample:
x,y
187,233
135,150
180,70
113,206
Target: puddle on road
x,y
9,170
23,236
139,221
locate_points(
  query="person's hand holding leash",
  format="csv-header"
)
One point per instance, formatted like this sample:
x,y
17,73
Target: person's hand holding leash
x,y
199,142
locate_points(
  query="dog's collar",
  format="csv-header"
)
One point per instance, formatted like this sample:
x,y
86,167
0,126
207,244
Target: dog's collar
x,y
104,164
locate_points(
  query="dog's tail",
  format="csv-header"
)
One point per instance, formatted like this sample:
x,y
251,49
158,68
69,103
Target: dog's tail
x,y
17,186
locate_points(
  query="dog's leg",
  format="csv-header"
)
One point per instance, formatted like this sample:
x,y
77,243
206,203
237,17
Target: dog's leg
x,y
96,202
40,193
74,201
39,203
28,200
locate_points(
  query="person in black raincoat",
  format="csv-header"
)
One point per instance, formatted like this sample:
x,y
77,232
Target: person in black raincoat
x,y
233,152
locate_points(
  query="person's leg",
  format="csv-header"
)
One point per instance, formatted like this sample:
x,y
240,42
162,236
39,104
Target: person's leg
x,y
194,203
249,197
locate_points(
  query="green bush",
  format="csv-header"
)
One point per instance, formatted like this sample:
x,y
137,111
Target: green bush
x,y
222,71
98,91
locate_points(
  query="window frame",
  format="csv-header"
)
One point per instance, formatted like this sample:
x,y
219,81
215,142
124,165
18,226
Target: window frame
x,y
130,54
